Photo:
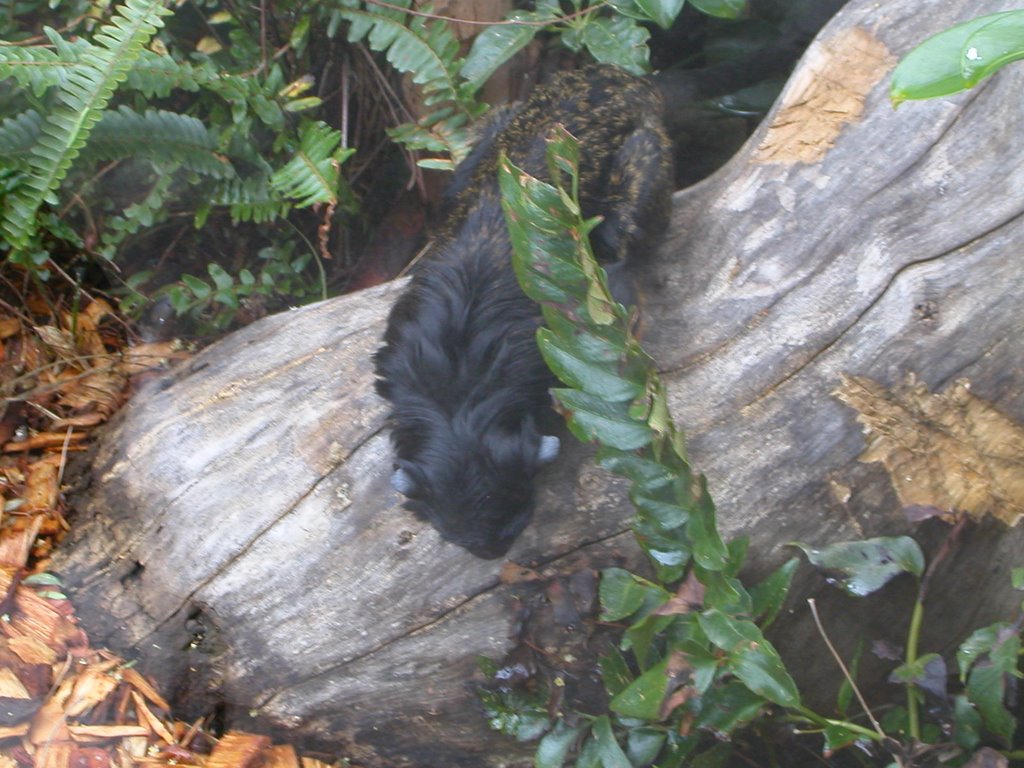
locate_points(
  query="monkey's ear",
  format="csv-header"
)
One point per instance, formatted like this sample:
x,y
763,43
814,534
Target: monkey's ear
x,y
548,451
402,482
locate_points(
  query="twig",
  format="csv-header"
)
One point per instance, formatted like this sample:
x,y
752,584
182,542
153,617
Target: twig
x,y
842,666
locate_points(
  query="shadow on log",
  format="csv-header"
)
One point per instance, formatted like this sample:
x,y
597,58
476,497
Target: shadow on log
x,y
241,539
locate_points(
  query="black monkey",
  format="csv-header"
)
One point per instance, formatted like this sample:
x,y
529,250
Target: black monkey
x,y
471,411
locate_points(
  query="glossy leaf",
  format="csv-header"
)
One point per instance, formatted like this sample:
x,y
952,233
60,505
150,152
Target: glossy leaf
x,y
770,594
866,566
935,68
624,594
554,748
497,44
593,419
608,748
644,744
615,671
993,46
618,40
643,697
728,708
750,657
724,9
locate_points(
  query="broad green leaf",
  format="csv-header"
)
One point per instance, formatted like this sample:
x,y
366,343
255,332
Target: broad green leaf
x,y
927,672
593,419
986,689
993,46
728,708
615,671
934,68
981,644
624,593
714,757
723,9
618,40
570,364
644,744
770,594
866,566
641,638
554,747
966,724
497,44
608,748
643,697
709,551
661,12
750,657
837,737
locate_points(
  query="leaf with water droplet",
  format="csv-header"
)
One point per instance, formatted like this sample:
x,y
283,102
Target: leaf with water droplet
x,y
863,567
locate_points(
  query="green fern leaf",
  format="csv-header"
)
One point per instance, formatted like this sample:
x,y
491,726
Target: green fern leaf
x,y
248,200
82,97
314,174
426,50
158,135
17,137
35,68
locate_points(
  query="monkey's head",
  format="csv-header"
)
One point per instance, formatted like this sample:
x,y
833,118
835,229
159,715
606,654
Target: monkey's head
x,y
472,482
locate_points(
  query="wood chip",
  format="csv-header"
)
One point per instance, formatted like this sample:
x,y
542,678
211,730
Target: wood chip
x,y
11,687
239,750
101,732
151,721
282,756
142,685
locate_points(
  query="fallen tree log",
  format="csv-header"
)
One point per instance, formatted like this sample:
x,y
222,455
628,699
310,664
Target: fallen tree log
x,y
240,536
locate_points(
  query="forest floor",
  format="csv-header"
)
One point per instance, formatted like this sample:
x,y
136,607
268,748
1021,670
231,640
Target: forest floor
x,y
65,370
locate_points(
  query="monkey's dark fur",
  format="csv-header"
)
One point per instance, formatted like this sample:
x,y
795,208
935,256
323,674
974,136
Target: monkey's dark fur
x,y
460,365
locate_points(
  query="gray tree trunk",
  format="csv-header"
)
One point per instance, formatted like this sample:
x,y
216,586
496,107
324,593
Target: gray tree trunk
x,y
240,534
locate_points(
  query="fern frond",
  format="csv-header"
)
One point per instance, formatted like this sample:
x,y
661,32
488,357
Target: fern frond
x,y
426,49
314,174
158,135
82,97
17,137
249,200
36,67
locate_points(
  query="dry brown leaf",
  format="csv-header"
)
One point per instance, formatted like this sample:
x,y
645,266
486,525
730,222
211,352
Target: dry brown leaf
x,y
145,357
239,750
60,342
9,326
13,732
951,450
311,762
11,687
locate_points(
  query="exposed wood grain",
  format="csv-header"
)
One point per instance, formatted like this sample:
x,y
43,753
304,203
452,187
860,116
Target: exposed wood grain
x,y
241,507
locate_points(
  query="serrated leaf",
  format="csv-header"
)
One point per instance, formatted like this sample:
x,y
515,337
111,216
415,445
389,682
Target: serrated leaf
x,y
866,566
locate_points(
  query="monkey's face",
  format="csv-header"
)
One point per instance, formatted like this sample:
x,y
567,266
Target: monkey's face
x,y
476,489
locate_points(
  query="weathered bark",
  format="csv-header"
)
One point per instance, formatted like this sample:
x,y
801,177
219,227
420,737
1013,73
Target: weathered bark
x,y
241,505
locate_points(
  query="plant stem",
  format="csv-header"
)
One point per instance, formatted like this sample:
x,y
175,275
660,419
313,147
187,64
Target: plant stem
x,y
913,635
